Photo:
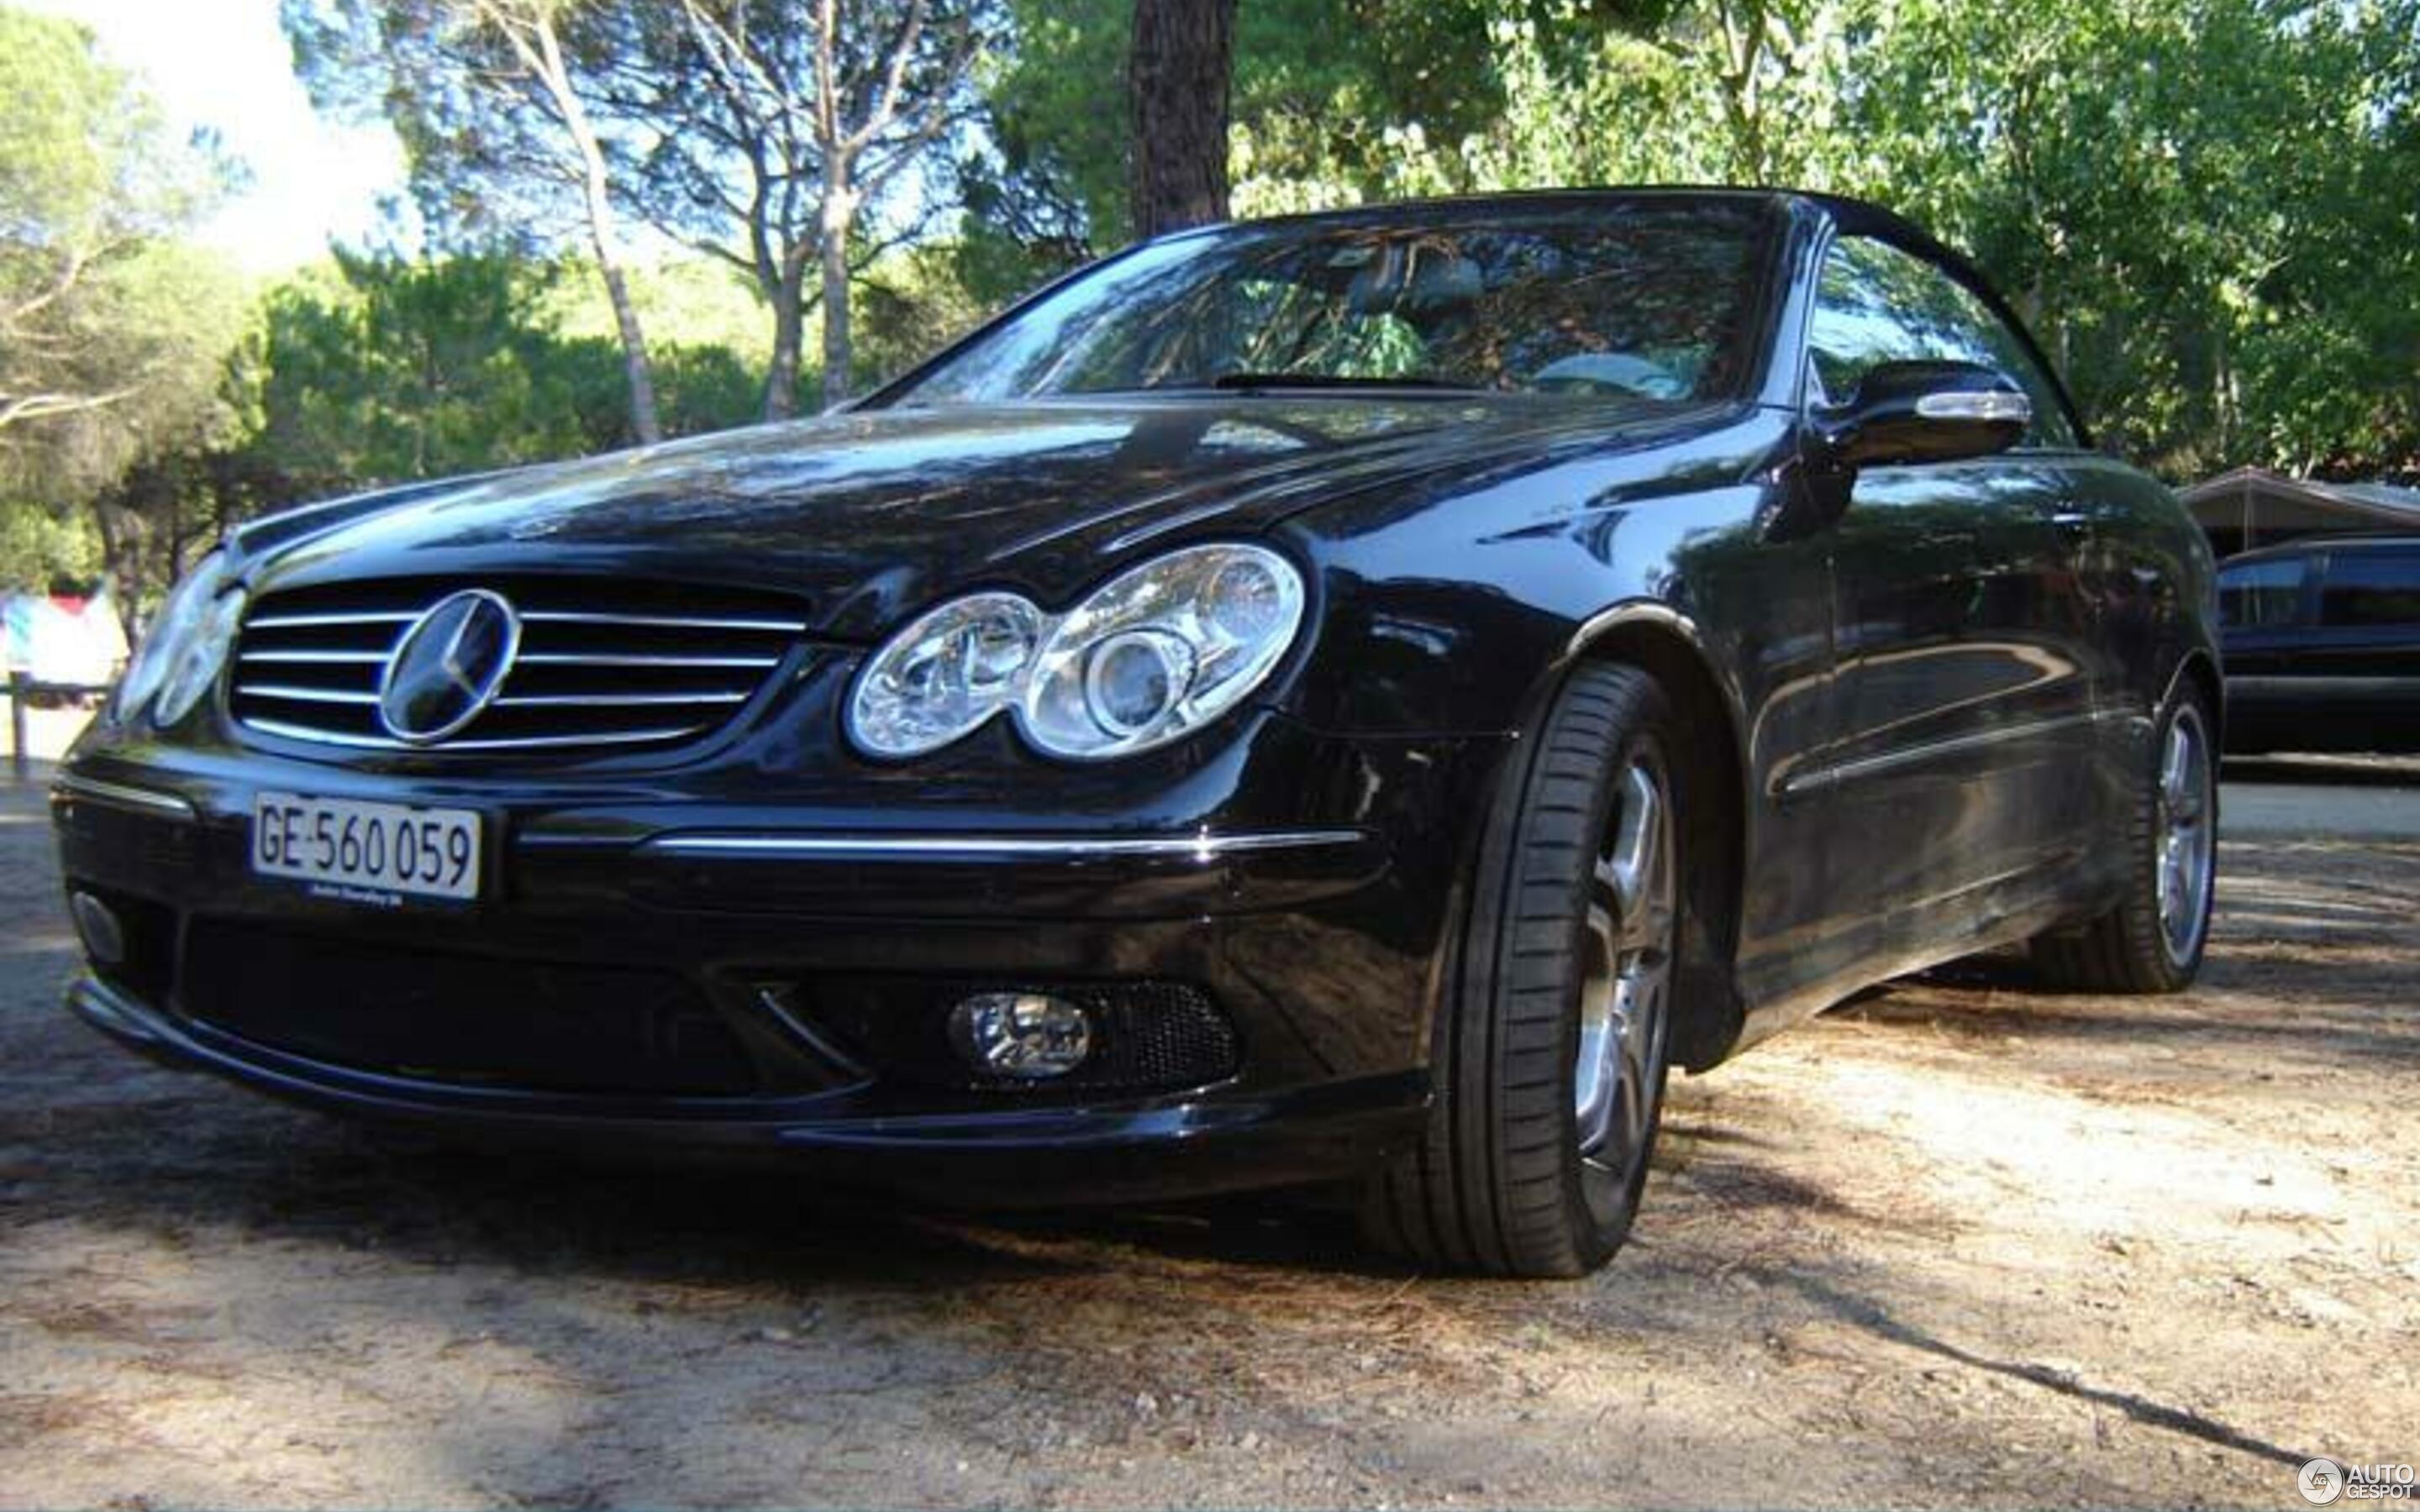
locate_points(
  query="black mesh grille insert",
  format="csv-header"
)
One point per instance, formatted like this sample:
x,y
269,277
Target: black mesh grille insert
x,y
1149,1036
464,1019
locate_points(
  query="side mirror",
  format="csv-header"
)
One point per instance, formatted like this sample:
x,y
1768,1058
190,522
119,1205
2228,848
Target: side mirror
x,y
1927,412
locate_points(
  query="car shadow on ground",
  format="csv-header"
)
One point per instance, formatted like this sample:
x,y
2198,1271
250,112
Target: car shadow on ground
x,y
1996,997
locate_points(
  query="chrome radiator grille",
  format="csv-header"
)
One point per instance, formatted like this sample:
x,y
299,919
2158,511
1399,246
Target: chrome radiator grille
x,y
599,664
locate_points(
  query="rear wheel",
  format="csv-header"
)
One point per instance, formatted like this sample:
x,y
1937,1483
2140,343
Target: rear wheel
x,y
2152,940
1550,1063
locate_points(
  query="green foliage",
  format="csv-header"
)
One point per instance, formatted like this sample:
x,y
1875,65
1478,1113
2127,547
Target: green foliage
x,y
91,310
42,546
910,305
1053,188
394,370
710,374
111,330
693,300
2205,207
381,369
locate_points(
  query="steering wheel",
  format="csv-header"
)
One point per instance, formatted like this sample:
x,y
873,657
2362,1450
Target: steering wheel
x,y
1613,374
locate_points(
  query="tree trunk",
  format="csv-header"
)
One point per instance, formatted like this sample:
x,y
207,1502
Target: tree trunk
x,y
1177,78
546,61
636,367
838,215
789,299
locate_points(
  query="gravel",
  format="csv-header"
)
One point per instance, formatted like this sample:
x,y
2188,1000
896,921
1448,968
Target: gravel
x,y
1960,1242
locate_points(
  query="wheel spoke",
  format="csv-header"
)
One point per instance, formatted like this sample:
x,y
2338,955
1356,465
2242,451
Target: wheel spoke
x,y
2180,778
2183,839
1623,994
1600,994
1637,852
1647,1006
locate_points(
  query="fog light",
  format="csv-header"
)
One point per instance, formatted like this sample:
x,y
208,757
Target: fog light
x,y
1026,1037
104,938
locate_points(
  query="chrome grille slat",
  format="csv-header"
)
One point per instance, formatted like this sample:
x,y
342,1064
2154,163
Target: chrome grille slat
x,y
610,664
544,658
665,621
617,701
317,622
297,732
309,695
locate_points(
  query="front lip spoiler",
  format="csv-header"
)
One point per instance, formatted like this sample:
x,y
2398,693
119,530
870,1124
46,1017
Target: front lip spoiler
x,y
1156,1149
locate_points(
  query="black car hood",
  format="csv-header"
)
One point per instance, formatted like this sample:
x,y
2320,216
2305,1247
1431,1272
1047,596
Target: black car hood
x,y
872,513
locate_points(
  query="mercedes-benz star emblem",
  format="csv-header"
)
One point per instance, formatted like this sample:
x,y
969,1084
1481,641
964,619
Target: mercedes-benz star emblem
x,y
448,666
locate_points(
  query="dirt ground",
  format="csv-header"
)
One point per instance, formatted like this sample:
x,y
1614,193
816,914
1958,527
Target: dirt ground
x,y
1957,1243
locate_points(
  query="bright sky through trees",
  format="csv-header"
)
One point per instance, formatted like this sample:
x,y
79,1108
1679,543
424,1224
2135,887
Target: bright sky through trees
x,y
224,64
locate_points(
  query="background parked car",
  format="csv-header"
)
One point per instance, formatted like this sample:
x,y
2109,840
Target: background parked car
x,y
2322,641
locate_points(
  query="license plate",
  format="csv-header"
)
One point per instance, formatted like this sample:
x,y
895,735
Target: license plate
x,y
371,853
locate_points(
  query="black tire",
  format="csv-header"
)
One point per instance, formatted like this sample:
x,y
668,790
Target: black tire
x,y
2146,944
1505,1182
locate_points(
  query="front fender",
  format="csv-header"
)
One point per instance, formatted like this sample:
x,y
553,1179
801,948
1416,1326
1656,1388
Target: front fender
x,y
1458,610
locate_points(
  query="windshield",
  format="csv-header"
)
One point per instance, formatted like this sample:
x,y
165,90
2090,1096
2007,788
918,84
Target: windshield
x,y
1629,301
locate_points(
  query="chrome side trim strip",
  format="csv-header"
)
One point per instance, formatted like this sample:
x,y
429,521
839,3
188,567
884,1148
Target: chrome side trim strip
x,y
1202,848
1891,761
66,786
331,738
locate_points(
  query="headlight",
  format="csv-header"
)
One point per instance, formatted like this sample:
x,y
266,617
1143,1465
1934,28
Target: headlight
x,y
1160,651
178,617
196,665
1151,656
944,675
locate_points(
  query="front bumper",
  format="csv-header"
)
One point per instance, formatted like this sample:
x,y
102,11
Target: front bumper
x,y
1008,1157
1309,904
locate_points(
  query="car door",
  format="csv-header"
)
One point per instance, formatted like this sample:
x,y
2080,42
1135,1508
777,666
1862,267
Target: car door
x,y
2264,612
2364,654
1960,769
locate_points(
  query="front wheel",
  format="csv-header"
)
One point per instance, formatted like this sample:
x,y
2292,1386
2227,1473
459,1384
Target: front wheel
x,y
1550,1062
2152,941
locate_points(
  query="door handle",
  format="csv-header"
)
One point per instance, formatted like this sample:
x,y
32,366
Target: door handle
x,y
2073,520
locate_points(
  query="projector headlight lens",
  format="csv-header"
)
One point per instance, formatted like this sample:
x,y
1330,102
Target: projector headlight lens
x,y
1151,656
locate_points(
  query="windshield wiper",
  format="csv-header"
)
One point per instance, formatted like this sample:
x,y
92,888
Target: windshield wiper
x,y
1335,380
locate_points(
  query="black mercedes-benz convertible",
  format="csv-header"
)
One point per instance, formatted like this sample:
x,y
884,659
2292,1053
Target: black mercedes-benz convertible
x,y
1347,700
